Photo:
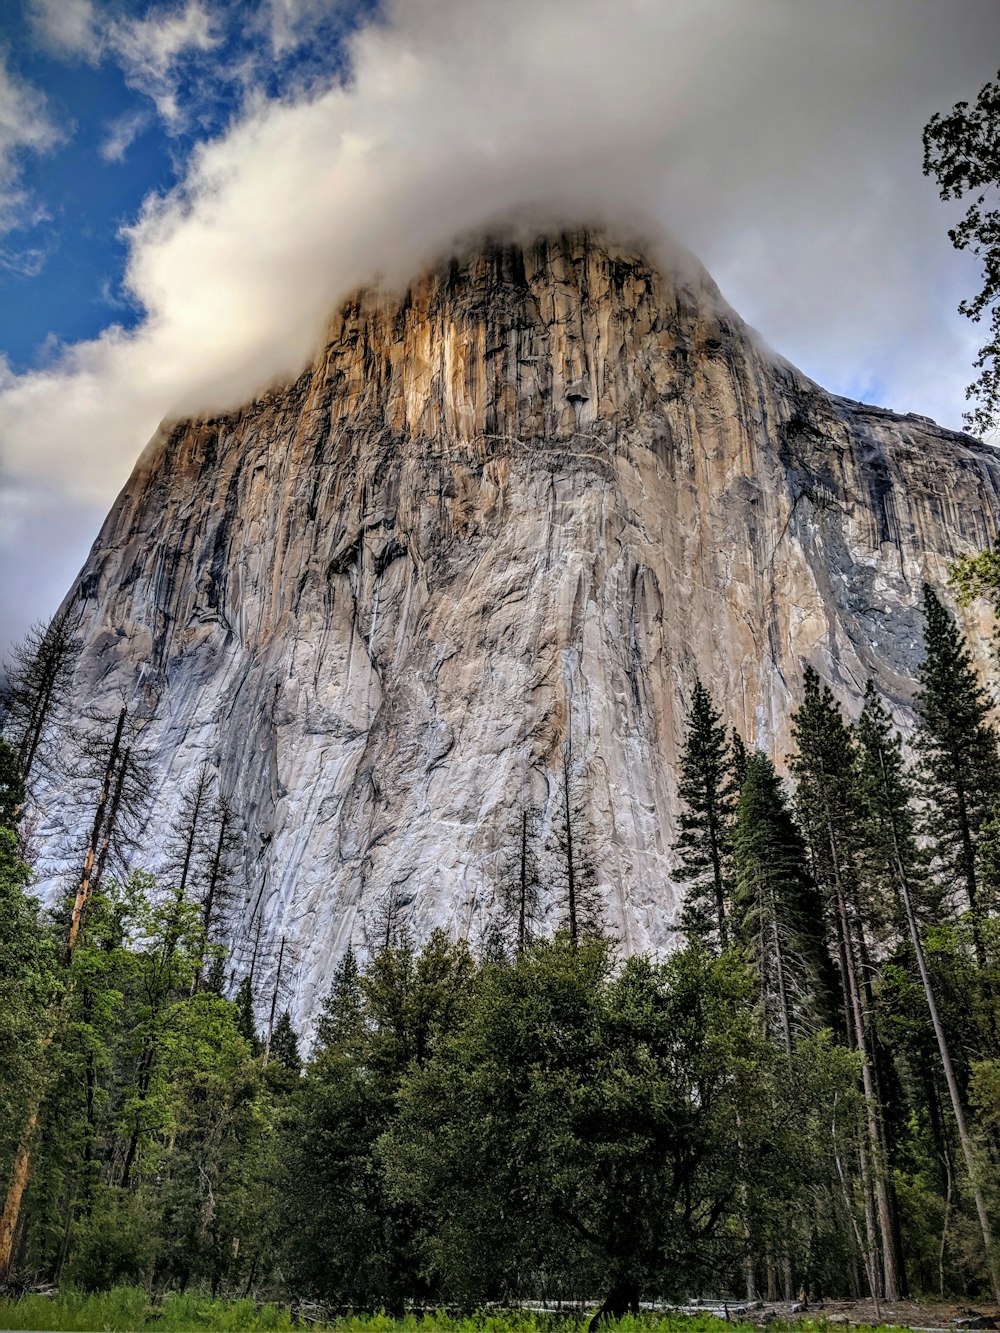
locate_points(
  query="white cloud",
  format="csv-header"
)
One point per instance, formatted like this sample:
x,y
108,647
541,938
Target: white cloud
x,y
122,133
150,50
25,127
781,144
66,27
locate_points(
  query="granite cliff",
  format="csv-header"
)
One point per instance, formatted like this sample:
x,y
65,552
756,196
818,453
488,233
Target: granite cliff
x,y
516,509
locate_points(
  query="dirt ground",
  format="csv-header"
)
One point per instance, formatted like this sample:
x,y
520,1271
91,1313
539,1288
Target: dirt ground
x,y
908,1314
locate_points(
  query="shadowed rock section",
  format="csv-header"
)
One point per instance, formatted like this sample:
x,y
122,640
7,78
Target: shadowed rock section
x,y
520,507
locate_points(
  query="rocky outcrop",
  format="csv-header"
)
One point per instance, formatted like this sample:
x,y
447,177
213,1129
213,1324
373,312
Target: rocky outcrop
x,y
519,508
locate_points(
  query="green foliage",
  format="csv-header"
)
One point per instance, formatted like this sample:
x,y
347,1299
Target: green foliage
x,y
708,786
552,1120
959,759
975,576
27,982
962,151
776,915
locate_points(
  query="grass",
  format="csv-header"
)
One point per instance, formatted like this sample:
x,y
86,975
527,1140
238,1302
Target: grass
x,y
127,1310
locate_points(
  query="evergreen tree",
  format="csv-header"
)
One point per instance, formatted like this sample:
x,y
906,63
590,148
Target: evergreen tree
x,y
959,760
776,917
893,859
740,758
708,790
285,1044
826,766
342,1017
246,1019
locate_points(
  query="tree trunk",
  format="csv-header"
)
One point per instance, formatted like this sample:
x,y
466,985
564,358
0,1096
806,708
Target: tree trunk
x,y
83,891
890,1259
948,1068
570,868
18,1184
622,1299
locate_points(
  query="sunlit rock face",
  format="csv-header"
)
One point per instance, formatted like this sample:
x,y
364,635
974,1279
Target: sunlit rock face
x,y
520,508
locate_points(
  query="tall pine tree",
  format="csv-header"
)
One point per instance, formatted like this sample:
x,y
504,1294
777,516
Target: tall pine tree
x,y
893,859
708,789
959,760
775,913
826,767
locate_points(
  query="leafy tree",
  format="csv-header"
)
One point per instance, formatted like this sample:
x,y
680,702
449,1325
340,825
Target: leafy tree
x,y
959,761
27,976
962,151
600,1106
11,786
708,790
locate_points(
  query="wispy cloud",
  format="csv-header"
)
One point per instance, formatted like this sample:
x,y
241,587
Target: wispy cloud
x,y
25,127
67,28
122,134
151,50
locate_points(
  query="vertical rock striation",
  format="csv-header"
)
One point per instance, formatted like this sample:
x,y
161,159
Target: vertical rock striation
x,y
520,507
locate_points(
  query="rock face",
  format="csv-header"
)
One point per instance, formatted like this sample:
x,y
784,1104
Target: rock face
x,y
509,516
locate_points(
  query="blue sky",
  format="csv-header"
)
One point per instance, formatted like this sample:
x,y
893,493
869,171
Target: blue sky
x,y
116,137
188,187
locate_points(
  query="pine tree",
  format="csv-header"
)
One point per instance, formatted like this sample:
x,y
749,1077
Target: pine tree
x,y
285,1044
36,691
246,1018
959,760
739,759
342,1015
708,790
775,912
576,873
520,884
890,828
826,767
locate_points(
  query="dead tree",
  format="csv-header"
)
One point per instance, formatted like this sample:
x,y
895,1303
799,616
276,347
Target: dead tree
x,y
36,692
519,889
571,844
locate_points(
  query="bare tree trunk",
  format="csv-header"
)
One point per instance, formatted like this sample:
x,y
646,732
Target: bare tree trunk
x,y
15,1193
890,1264
522,928
274,1002
570,868
948,1068
83,891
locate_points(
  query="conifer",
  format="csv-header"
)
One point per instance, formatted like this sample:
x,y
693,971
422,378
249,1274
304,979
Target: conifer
x,y
775,915
708,790
887,803
246,1018
959,759
826,766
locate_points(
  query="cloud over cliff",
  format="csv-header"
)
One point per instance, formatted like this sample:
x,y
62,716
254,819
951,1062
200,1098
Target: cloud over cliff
x,y
780,142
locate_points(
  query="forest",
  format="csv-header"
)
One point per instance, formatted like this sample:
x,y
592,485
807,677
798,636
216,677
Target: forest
x,y
804,1096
